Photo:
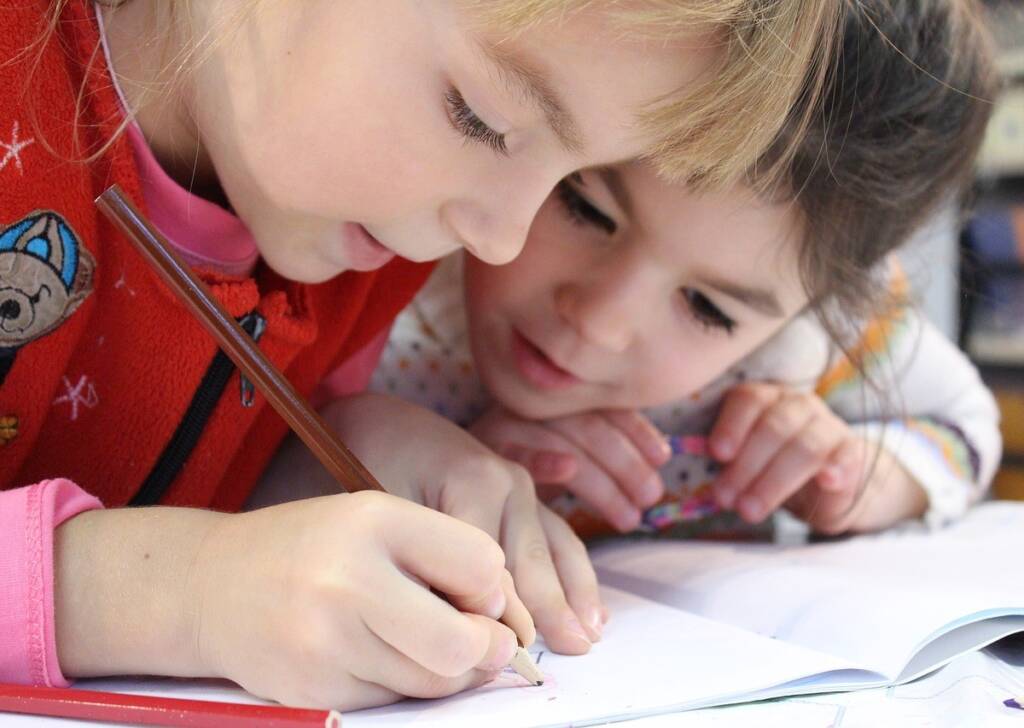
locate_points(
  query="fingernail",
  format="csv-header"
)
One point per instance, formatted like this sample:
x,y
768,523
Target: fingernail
x,y
751,508
595,623
652,490
502,657
723,448
573,625
605,615
834,474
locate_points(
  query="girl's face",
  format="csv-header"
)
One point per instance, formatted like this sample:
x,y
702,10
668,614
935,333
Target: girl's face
x,y
631,293
346,132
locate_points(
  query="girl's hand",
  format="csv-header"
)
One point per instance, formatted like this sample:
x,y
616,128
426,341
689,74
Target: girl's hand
x,y
609,459
322,602
783,447
327,602
423,457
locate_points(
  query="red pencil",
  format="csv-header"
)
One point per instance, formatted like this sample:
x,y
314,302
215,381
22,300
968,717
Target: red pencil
x,y
149,710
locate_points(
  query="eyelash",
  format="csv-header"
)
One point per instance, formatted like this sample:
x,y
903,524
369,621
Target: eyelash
x,y
707,313
467,123
580,210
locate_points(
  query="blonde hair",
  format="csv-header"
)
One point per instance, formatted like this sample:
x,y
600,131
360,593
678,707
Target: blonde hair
x,y
775,54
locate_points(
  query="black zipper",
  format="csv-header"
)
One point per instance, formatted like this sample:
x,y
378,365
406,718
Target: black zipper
x,y
192,424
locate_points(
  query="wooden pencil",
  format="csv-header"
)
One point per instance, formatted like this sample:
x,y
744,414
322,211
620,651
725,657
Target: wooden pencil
x,y
340,462
351,474
150,710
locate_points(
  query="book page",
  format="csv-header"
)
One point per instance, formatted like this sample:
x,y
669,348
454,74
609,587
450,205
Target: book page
x,y
871,601
652,660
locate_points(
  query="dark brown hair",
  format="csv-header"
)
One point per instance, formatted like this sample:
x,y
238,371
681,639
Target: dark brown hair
x,y
895,136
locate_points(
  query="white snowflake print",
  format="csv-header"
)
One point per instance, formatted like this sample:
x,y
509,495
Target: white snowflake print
x,y
83,393
14,149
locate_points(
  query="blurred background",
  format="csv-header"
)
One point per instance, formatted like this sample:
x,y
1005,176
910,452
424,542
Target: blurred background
x,y
969,274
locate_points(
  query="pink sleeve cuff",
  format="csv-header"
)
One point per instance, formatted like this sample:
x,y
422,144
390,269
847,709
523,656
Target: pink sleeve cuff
x,y
28,517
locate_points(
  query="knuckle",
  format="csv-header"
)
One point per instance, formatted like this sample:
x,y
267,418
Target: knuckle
x,y
486,469
368,508
812,443
537,551
490,556
780,422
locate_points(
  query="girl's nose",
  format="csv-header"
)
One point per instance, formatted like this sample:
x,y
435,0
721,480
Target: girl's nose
x,y
493,238
601,313
492,223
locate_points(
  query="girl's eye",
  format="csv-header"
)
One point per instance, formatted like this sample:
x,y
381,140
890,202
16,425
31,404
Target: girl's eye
x,y
467,123
580,209
707,313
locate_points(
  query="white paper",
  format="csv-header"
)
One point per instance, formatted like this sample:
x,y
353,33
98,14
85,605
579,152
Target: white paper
x,y
873,601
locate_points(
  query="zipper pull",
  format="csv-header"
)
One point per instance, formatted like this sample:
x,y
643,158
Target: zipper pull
x,y
254,325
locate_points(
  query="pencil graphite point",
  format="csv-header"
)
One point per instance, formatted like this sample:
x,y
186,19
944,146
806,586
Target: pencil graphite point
x,y
524,666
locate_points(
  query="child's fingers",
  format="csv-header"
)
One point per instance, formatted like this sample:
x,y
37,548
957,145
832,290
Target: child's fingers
x,y
833,511
537,579
776,426
545,466
458,560
849,462
610,449
537,448
595,488
741,410
390,666
796,463
516,616
387,666
429,631
576,572
647,438
476,493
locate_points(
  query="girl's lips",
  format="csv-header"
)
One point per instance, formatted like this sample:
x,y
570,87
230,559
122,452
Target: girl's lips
x,y
535,366
363,251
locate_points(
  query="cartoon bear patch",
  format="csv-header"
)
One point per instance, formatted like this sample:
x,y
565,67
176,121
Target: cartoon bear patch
x,y
45,274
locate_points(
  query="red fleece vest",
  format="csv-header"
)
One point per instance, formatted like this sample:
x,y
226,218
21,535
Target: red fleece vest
x,y
106,378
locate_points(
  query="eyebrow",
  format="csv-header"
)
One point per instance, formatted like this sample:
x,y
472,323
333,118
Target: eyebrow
x,y
759,299
534,85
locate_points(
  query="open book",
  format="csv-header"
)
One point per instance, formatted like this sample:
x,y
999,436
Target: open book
x,y
703,624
